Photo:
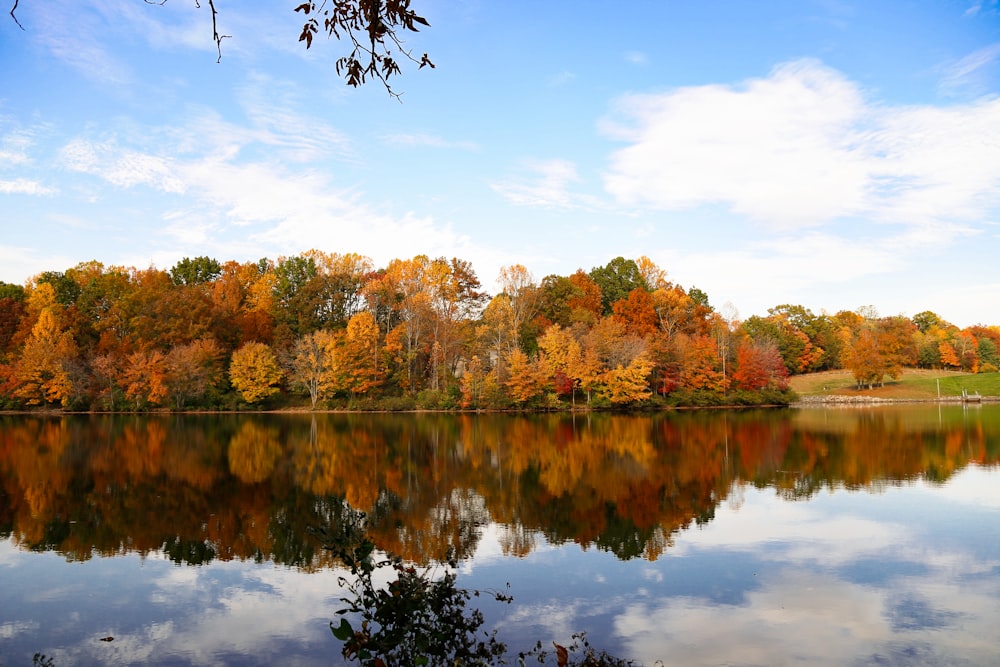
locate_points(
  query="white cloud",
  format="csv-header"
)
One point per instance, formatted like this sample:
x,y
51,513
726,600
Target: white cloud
x,y
418,140
808,618
803,147
121,167
248,208
24,186
784,267
20,262
549,185
14,150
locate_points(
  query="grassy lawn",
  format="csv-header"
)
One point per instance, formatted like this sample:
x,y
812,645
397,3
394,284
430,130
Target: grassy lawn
x,y
914,383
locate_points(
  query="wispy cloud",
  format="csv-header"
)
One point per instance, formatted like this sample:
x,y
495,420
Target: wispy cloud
x,y
562,79
80,40
636,57
24,186
120,166
419,140
972,72
977,7
14,149
547,184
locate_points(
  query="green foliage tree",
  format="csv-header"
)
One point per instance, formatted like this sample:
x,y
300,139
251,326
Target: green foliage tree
x,y
197,271
12,291
66,289
616,279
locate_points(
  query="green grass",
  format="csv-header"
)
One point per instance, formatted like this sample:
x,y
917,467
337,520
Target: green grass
x,y
914,383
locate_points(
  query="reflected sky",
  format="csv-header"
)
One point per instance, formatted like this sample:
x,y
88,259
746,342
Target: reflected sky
x,y
905,572
907,576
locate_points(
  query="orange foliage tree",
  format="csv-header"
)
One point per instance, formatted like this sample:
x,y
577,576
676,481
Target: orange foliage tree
x,y
759,365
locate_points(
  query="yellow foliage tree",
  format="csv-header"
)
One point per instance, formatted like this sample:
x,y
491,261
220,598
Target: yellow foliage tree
x,y
313,359
254,372
627,384
524,378
42,375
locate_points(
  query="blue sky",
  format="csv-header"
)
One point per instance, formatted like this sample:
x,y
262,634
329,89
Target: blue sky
x,y
827,153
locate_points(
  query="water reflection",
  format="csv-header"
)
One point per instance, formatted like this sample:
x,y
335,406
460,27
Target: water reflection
x,y
667,536
246,487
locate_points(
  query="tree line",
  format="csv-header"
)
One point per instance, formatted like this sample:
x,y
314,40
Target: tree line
x,y
333,330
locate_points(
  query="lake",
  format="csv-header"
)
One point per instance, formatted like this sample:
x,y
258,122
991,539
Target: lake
x,y
807,536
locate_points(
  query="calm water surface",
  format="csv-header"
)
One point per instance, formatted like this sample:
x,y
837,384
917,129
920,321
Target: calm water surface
x,y
814,536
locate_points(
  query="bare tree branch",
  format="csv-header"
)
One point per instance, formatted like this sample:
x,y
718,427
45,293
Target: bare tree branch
x,y
12,10
371,55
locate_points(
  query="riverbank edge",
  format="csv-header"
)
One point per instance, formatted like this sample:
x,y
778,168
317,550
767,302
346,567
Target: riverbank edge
x,y
840,399
801,402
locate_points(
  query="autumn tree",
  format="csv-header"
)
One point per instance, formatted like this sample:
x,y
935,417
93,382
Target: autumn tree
x,y
654,277
473,383
408,281
967,349
699,364
145,377
525,377
626,384
310,362
561,358
42,375
759,366
192,369
586,305
243,300
455,298
949,358
796,348
518,284
554,295
335,290
863,358
255,372
358,359
879,348
12,309
498,333
637,313
108,371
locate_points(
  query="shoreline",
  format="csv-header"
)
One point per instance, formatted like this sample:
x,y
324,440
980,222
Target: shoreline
x,y
827,400
840,399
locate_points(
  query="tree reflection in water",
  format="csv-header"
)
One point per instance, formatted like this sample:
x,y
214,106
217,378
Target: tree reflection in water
x,y
202,488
